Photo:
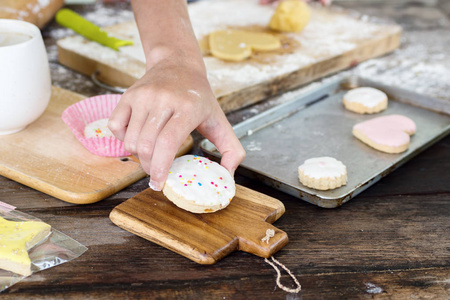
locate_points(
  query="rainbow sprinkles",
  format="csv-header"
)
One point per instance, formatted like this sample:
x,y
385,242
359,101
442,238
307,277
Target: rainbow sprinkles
x,y
199,180
98,128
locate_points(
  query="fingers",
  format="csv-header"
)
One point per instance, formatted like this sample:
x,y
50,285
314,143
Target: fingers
x,y
231,159
167,144
138,128
119,119
148,136
221,134
135,125
231,149
217,129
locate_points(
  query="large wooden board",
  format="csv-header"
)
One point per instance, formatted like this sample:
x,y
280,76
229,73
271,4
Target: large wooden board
x,y
333,40
47,157
205,238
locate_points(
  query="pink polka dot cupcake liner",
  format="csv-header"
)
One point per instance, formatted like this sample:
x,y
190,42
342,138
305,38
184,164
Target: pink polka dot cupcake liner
x,y
89,110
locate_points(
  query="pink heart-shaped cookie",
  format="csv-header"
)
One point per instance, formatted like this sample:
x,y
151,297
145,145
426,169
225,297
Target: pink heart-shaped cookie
x,y
390,134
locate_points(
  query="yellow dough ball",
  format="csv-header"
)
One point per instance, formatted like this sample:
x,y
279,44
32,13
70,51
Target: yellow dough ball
x,y
290,16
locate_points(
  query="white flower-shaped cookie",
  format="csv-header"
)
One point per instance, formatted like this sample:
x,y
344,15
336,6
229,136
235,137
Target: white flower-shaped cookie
x,y
322,173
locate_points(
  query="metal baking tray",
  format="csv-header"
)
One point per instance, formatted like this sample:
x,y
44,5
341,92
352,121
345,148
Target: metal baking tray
x,y
316,124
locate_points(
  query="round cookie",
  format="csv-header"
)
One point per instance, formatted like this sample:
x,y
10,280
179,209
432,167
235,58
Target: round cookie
x,y
97,128
322,173
365,100
199,185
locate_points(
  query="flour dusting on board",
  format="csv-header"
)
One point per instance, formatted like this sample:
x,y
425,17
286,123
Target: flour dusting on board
x,y
38,6
107,16
208,16
23,12
327,35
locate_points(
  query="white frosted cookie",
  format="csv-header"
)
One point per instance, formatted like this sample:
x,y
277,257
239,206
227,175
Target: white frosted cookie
x,y
365,100
97,128
322,173
199,185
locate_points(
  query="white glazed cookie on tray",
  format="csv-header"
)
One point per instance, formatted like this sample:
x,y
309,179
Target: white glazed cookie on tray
x,y
365,100
322,173
199,185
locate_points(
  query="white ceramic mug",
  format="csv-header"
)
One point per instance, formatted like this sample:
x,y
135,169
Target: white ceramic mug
x,y
25,84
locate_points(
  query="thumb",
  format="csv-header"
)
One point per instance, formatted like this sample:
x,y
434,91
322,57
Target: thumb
x,y
231,160
221,134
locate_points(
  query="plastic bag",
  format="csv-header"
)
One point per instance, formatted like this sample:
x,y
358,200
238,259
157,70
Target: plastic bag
x,y
54,249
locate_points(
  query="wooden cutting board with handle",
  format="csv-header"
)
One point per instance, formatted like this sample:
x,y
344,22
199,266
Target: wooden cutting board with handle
x,y
333,40
205,238
47,157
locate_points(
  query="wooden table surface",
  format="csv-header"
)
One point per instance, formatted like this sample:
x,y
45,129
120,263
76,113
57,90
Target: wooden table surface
x,y
390,242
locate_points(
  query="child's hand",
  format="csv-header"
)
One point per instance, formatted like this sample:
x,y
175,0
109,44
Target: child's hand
x,y
156,115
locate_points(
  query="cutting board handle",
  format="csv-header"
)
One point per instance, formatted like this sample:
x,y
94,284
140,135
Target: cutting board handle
x,y
256,241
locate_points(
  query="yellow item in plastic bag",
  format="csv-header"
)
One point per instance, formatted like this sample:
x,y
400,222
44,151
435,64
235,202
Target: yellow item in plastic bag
x,y
16,238
290,16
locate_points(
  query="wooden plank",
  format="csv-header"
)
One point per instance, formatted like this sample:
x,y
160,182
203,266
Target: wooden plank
x,y
396,284
119,264
47,157
204,238
318,51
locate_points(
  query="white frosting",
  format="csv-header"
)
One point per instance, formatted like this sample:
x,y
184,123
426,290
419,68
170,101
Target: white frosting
x,y
97,128
366,96
323,167
201,180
